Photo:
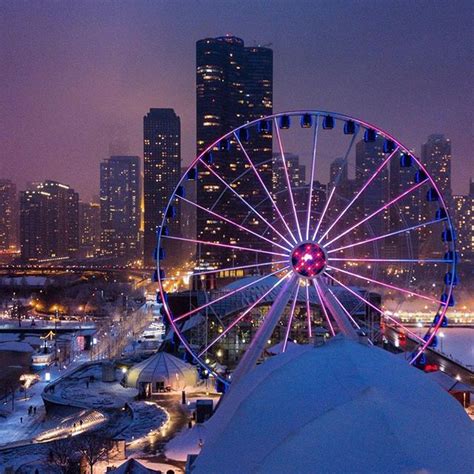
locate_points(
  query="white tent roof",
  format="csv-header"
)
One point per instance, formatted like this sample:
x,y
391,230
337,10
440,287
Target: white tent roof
x,y
132,466
161,366
341,407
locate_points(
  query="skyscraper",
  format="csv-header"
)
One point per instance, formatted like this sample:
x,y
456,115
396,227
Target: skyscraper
x,y
464,223
89,229
162,167
369,155
120,208
8,215
49,221
234,85
436,156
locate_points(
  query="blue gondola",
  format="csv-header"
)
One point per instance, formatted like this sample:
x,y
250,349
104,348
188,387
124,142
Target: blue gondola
x,y
448,235
306,121
161,253
155,254
180,191
444,323
421,360
350,127
164,230
264,127
244,135
388,146
432,195
451,302
171,212
451,256
191,175
209,158
406,160
285,122
433,342
441,214
420,176
451,279
161,300
154,276
223,145
370,135
328,122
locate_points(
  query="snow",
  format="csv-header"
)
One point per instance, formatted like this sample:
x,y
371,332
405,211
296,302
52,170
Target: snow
x,y
73,389
189,441
342,407
16,346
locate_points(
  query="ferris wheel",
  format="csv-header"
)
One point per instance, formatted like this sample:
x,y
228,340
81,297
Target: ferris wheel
x,y
358,256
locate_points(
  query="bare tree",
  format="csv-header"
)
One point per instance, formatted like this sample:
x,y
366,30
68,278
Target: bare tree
x,y
93,448
61,453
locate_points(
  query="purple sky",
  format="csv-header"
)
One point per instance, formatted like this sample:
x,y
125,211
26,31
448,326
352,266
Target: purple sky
x,y
77,75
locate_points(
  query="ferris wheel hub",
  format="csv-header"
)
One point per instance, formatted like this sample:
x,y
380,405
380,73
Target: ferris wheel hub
x,y
308,259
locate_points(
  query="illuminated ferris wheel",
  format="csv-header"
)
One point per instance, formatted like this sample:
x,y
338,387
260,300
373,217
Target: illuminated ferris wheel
x,y
353,257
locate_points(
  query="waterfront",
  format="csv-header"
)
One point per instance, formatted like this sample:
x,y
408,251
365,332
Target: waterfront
x,y
458,342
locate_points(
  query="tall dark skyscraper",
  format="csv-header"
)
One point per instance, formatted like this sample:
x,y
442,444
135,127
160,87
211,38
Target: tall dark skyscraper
x,y
162,169
234,85
89,229
8,215
436,156
369,155
120,208
49,221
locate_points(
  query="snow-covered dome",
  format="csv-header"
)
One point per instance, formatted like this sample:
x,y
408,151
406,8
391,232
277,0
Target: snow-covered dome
x,y
162,370
339,408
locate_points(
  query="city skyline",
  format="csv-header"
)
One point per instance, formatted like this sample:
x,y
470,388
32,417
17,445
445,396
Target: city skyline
x,y
99,100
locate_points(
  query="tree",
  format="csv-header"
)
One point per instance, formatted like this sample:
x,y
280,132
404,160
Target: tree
x,y
61,453
93,448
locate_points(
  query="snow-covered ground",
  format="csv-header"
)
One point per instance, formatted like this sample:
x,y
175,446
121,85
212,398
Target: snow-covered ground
x,y
85,388
148,417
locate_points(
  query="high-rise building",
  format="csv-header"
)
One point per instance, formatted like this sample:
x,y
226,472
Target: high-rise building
x,y
89,229
464,224
369,155
49,221
120,208
8,215
162,167
234,85
436,156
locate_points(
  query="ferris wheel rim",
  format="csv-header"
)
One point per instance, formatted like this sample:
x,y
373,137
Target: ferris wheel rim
x,y
400,147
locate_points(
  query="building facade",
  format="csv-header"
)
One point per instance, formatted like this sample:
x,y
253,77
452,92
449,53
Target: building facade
x,y
120,208
234,85
89,229
161,170
8,215
49,222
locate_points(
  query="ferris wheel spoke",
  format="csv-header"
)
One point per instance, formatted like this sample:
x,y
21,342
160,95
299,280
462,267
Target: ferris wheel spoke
x,y
313,167
336,183
230,188
243,267
326,207
373,306
257,174
390,260
344,309
323,306
354,199
290,319
229,246
384,236
230,293
378,211
242,316
392,287
241,227
308,312
288,183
